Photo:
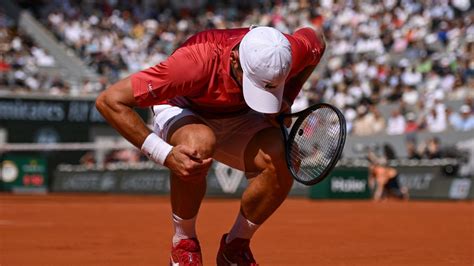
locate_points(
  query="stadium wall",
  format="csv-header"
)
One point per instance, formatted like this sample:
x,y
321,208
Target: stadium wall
x,y
423,182
36,120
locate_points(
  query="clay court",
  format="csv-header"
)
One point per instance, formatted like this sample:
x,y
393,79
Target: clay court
x,y
136,230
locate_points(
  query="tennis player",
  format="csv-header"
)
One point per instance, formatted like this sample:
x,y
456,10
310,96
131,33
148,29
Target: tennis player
x,y
216,97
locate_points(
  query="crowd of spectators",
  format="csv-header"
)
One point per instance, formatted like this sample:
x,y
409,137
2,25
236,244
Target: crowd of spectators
x,y
414,55
404,119
21,62
129,156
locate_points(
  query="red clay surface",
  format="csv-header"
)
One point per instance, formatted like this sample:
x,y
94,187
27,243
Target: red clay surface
x,y
136,230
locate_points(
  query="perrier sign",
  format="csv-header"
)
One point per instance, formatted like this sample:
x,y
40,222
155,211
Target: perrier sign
x,y
343,183
23,174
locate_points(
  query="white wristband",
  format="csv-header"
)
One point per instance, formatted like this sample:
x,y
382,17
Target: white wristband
x,y
156,148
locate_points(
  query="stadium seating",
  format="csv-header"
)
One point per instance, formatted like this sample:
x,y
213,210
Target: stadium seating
x,y
395,68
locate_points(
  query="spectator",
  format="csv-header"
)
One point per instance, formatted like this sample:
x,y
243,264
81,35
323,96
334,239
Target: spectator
x,y
453,118
436,121
410,95
361,126
88,159
470,102
465,121
461,90
411,77
368,122
411,125
396,123
58,87
378,124
412,152
432,149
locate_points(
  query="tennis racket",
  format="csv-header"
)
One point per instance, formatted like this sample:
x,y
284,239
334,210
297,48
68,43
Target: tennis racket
x,y
314,142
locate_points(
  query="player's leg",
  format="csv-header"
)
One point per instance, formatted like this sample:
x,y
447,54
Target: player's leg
x,y
186,196
194,133
265,155
267,189
381,177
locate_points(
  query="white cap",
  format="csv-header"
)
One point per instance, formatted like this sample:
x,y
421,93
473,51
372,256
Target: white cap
x,y
265,57
465,109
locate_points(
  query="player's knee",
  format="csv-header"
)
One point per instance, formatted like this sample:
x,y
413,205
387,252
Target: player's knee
x,y
202,139
197,136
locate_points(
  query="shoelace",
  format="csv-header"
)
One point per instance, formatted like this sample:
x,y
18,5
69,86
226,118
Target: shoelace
x,y
189,254
190,259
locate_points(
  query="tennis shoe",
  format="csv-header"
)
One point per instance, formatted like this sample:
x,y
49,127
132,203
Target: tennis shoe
x,y
235,253
186,253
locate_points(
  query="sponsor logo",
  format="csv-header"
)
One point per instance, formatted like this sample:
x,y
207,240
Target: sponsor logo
x,y
32,111
33,167
50,111
80,182
460,188
147,182
9,172
150,89
229,178
348,185
416,181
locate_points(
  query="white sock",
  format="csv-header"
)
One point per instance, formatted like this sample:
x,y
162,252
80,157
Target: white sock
x,y
242,228
183,228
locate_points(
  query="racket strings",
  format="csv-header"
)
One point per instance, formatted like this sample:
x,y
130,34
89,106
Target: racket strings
x,y
315,143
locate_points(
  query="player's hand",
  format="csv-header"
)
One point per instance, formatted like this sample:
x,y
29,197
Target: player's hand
x,y
285,108
187,163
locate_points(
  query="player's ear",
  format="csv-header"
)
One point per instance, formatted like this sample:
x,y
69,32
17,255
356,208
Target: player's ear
x,y
234,58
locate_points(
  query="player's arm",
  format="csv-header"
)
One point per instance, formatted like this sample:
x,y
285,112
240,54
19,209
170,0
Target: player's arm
x,y
116,105
180,74
294,85
308,52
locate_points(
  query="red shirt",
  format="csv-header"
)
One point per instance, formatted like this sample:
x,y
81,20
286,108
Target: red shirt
x,y
199,71
411,126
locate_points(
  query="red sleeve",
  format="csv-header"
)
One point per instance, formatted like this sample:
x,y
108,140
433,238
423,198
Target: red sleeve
x,y
184,73
307,48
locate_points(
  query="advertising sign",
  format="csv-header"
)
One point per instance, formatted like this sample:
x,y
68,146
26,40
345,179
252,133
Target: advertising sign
x,y
222,180
23,174
53,111
460,188
343,183
431,183
49,111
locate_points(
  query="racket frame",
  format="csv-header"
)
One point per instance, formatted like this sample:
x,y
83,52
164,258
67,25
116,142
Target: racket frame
x,y
289,137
